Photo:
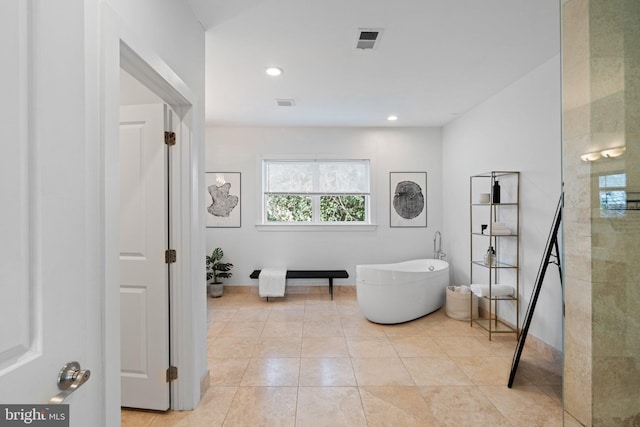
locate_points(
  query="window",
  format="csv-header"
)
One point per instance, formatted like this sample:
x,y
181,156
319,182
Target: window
x,y
612,191
315,192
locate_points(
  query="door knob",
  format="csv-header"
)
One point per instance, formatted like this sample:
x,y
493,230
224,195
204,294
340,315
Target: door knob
x,y
69,379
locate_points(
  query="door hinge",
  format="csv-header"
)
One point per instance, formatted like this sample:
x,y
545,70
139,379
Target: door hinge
x,y
172,373
170,138
170,256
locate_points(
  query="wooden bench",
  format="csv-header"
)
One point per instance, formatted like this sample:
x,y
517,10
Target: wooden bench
x,y
312,274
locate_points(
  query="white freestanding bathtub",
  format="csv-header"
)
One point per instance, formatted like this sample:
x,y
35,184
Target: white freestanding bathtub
x,y
400,292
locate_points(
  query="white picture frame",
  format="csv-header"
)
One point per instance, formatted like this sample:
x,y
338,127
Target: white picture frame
x,y
223,199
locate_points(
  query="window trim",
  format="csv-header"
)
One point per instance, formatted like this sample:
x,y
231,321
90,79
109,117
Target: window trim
x,y
263,225
293,226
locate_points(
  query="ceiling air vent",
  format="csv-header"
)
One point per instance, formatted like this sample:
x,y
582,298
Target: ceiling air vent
x,y
284,102
367,38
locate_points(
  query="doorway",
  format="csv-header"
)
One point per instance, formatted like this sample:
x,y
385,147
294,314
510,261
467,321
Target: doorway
x,y
153,87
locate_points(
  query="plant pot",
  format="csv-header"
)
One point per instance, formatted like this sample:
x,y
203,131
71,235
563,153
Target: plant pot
x,y
216,290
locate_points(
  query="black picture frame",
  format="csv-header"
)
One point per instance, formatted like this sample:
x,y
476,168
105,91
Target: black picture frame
x,y
407,199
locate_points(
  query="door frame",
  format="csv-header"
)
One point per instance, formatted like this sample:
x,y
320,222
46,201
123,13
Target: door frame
x,y
121,48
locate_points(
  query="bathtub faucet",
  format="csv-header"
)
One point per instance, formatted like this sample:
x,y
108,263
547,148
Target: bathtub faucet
x,y
437,246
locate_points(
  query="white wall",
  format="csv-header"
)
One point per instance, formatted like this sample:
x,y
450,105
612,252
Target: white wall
x,y
517,129
170,28
390,150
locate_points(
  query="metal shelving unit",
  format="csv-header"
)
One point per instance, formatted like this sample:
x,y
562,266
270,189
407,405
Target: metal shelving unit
x,y
507,246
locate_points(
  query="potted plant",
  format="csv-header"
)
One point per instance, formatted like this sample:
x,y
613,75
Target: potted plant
x,y
217,270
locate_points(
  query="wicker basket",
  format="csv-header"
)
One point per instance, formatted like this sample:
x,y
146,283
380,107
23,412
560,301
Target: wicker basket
x,y
457,305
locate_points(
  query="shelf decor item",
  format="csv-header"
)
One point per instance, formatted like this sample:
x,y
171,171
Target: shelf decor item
x,y
496,191
408,201
490,257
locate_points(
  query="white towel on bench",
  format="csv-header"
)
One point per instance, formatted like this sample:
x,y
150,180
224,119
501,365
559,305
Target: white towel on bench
x,y
272,282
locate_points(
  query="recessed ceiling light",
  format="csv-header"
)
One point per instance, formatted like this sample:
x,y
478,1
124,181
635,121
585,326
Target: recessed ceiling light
x,y
281,102
392,118
274,71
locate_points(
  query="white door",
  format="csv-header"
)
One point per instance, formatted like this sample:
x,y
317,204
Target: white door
x,y
50,305
144,297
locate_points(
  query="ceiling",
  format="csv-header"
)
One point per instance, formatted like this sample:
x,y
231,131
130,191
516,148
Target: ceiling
x,y
435,59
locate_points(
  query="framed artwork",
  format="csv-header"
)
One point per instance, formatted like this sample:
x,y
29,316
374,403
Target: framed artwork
x,y
408,199
223,199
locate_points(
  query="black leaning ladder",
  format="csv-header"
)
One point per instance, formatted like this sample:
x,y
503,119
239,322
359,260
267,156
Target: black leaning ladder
x,y
552,245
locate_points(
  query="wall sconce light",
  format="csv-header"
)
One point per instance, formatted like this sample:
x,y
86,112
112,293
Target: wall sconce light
x,y
613,152
590,157
608,153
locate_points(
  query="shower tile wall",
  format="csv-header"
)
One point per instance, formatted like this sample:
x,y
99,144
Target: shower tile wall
x,y
601,110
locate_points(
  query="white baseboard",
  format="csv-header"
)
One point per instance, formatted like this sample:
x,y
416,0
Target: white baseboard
x,y
205,383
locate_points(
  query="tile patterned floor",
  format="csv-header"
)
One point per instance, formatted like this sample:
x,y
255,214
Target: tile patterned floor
x,y
304,360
